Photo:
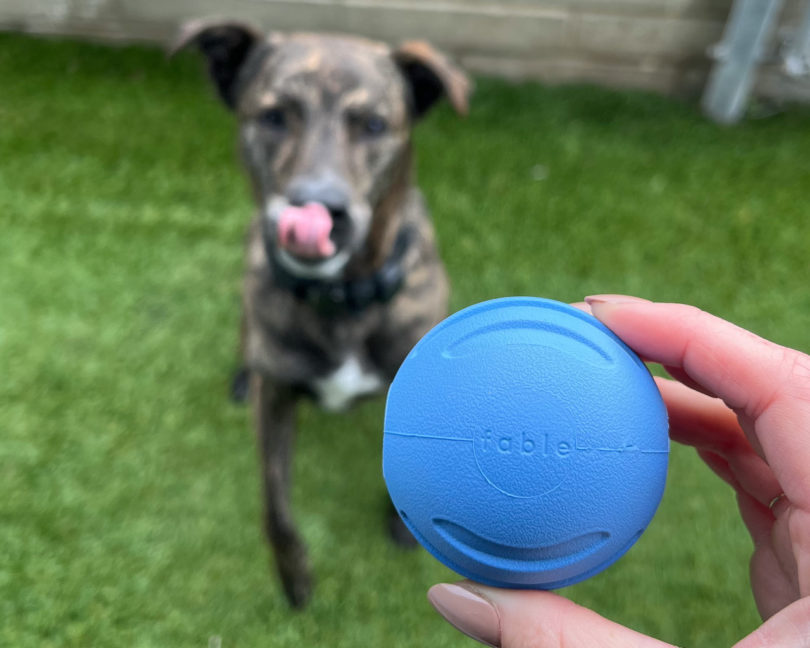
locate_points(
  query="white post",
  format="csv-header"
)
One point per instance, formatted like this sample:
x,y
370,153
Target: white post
x,y
737,56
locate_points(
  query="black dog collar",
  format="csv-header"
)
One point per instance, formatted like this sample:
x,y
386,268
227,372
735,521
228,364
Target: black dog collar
x,y
355,295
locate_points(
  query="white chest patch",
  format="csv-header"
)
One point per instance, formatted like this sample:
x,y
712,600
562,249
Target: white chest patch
x,y
337,390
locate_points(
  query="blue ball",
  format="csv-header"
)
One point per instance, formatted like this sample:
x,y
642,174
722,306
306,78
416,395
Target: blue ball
x,y
525,444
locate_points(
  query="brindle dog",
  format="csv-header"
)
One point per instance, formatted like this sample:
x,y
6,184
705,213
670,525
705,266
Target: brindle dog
x,y
343,275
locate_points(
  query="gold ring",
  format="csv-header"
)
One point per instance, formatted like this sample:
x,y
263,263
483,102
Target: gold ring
x,y
776,500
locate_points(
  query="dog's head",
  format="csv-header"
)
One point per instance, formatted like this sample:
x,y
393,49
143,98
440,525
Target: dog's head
x,y
325,126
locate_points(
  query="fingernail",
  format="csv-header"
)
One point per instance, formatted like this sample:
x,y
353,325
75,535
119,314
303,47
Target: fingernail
x,y
613,299
467,612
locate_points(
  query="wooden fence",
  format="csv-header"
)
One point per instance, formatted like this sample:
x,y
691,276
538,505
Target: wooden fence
x,y
653,44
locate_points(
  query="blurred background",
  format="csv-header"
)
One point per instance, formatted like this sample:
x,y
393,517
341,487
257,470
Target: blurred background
x,y
592,161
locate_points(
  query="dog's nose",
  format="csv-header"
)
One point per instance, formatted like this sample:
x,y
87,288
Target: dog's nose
x,y
331,192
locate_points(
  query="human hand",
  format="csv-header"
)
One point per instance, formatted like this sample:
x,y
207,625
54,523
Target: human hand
x,y
744,404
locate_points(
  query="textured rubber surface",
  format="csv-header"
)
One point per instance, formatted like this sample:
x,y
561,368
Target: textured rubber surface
x,y
525,445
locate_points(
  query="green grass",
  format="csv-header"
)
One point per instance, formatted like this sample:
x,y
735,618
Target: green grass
x,y
130,505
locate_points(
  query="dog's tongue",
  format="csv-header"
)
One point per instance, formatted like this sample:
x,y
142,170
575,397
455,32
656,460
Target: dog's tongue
x,y
304,231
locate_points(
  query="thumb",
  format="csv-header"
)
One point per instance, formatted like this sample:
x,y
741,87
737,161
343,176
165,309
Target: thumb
x,y
529,619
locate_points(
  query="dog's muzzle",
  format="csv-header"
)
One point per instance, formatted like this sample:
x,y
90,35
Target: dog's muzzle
x,y
305,232
310,239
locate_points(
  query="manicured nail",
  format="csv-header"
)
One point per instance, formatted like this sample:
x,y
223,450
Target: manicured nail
x,y
613,299
467,612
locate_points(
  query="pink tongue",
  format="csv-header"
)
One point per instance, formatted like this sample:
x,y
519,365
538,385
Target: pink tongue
x,y
304,231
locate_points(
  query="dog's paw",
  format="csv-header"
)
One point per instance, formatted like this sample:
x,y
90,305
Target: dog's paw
x,y
293,569
297,587
239,385
399,533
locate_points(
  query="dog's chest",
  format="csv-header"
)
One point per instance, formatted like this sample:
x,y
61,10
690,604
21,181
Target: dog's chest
x,y
349,381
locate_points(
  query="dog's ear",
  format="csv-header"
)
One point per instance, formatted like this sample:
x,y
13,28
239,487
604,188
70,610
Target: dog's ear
x,y
430,75
225,44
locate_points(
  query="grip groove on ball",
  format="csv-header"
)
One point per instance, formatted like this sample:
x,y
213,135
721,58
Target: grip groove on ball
x,y
553,555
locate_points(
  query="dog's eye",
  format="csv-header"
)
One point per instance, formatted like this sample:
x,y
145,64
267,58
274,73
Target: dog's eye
x,y
274,118
374,126
367,125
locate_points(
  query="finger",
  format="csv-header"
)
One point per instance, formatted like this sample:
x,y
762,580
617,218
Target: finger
x,y
771,591
766,384
790,628
710,426
699,420
582,306
720,467
586,308
775,575
773,570
757,518
741,368
799,528
532,619
682,377
783,547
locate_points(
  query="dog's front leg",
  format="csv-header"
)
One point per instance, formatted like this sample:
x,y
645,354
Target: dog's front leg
x,y
274,411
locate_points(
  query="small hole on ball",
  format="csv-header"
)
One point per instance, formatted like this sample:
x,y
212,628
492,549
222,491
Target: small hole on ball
x,y
402,514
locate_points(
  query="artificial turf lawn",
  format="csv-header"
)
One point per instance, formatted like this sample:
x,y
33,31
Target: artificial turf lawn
x,y
129,512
